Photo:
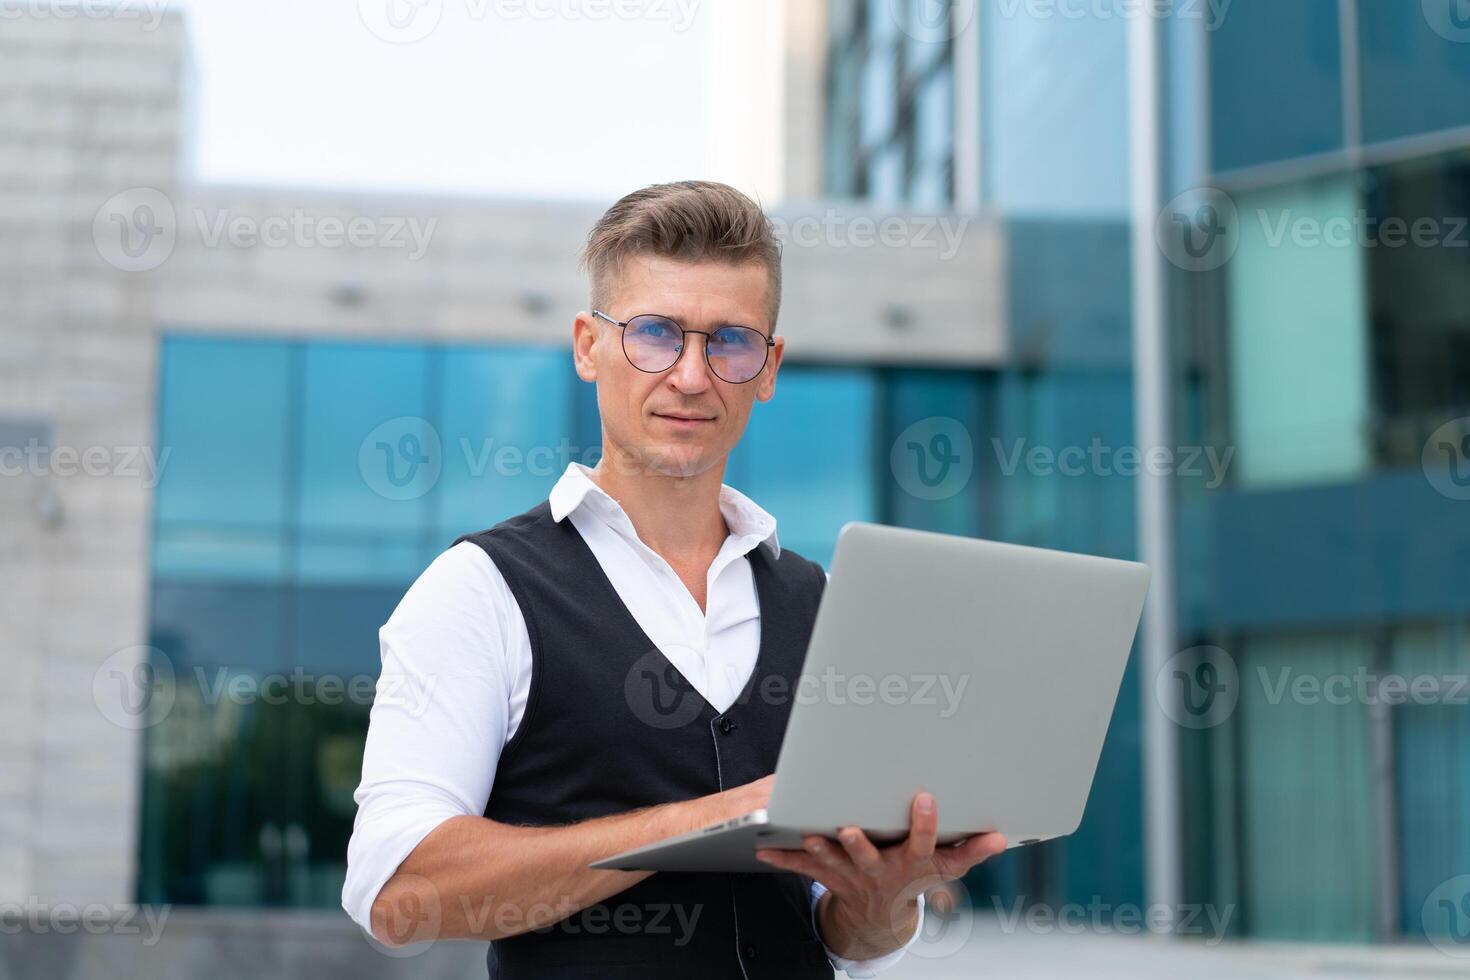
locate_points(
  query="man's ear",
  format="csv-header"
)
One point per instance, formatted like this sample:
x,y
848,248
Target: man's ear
x,y
584,338
766,386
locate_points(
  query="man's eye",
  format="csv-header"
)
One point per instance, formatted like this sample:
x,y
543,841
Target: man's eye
x,y
655,329
732,337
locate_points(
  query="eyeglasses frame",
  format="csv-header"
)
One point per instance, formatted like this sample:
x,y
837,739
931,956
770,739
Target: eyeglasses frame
x,y
683,331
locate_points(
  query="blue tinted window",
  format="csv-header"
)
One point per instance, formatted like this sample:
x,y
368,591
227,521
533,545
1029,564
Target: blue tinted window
x,y
885,176
239,626
215,552
1055,456
366,459
920,406
1070,292
1104,858
1433,779
1298,339
508,433
1303,771
1275,82
844,98
927,27
363,557
808,456
1415,67
335,629
224,418
1055,111
933,141
586,420
1186,80
880,87
882,24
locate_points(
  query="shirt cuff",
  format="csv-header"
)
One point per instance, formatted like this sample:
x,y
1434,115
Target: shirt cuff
x,y
865,968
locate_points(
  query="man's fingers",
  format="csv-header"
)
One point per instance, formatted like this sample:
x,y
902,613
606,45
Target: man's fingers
x,y
955,861
987,845
923,827
861,851
785,860
800,863
830,856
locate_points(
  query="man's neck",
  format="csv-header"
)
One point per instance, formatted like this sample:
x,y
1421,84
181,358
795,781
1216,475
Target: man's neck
x,y
678,517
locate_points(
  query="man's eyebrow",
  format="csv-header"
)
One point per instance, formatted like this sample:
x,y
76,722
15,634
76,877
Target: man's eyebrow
x,y
712,322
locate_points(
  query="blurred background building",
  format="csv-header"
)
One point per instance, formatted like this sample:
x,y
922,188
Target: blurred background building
x,y
286,429
1316,340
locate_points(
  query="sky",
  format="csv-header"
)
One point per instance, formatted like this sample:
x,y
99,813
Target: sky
x,y
509,98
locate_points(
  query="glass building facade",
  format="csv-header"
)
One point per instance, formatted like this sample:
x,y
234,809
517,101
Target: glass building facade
x,y
890,113
1321,351
1054,167
1328,347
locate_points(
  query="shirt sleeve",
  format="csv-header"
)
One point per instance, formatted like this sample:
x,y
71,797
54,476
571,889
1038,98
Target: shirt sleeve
x,y
455,665
876,965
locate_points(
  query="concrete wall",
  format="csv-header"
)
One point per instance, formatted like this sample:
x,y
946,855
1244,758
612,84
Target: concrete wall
x,y
88,106
860,284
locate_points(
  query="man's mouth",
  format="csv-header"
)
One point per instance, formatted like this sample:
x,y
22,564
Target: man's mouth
x,y
684,421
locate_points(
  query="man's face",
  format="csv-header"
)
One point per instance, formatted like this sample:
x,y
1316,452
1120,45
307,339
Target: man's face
x,y
682,421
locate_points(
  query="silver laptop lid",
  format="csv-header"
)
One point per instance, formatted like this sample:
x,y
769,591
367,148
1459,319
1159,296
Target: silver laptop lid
x,y
985,673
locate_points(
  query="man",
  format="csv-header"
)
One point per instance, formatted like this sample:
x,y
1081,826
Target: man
x,y
543,749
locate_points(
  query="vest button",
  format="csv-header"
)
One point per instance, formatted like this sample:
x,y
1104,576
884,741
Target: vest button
x,y
727,725
749,951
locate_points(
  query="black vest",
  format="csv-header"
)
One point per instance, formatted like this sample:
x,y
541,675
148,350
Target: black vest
x,y
611,725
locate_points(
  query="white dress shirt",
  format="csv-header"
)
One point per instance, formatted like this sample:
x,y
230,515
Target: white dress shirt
x,y
457,671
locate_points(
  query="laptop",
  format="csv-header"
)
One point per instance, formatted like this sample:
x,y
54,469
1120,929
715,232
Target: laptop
x,y
985,673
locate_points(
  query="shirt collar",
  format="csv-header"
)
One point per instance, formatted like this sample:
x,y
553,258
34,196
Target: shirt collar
x,y
745,518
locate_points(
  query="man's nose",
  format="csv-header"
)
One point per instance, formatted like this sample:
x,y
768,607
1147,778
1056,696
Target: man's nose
x,y
691,371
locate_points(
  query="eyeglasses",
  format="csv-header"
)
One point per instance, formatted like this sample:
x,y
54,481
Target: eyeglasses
x,y
653,343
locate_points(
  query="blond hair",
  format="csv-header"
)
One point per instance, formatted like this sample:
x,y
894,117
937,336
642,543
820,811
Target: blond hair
x,y
689,220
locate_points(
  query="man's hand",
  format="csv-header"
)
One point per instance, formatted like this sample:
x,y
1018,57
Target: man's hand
x,y
871,906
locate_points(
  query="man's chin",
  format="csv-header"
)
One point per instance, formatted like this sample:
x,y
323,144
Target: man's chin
x,y
677,459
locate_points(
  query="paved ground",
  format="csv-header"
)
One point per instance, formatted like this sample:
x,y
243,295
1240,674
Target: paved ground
x,y
988,949
318,945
